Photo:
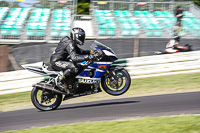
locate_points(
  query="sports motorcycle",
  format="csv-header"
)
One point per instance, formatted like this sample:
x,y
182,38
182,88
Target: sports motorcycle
x,y
114,80
187,46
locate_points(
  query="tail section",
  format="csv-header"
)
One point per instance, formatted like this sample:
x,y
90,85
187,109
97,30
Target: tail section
x,y
39,68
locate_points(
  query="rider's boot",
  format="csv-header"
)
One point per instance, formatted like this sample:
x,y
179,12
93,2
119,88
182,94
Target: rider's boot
x,y
59,81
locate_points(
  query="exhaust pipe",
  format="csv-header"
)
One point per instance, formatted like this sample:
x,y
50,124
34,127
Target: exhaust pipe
x,y
49,87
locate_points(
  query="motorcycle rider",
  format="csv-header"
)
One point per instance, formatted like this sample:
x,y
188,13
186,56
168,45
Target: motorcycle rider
x,y
173,45
67,54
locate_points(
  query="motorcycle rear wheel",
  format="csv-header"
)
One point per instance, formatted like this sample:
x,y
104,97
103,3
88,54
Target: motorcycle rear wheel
x,y
45,100
118,84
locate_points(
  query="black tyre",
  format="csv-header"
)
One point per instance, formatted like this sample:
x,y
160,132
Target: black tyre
x,y
189,47
117,83
45,100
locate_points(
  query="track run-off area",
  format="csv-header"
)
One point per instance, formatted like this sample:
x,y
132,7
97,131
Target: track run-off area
x,y
146,106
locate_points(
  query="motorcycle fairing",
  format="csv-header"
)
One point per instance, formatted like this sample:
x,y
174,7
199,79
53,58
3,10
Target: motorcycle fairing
x,y
101,66
108,53
97,69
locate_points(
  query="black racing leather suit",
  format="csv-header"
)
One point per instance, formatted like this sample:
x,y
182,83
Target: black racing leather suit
x,y
66,48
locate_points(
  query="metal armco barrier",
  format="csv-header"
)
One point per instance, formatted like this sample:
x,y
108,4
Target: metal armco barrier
x,y
139,67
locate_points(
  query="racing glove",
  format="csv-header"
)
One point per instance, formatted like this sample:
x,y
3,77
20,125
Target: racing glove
x,y
92,57
95,55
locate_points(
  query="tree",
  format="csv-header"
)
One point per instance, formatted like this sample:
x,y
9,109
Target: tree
x,y
4,4
197,2
8,4
41,4
83,7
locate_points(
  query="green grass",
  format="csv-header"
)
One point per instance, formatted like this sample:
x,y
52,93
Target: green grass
x,y
175,124
15,101
179,82
139,87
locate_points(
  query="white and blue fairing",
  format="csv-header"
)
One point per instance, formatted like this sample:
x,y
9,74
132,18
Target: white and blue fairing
x,y
100,67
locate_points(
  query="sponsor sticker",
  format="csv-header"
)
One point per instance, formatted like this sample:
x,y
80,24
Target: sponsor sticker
x,y
88,81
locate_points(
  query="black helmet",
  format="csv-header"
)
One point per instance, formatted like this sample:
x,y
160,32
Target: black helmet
x,y
177,38
78,35
178,7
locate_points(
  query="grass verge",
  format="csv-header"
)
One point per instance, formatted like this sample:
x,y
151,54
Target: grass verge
x,y
172,124
139,87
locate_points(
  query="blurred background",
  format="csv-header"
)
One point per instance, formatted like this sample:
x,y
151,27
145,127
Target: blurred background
x,y
31,29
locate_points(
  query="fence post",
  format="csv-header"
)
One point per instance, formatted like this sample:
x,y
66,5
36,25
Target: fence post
x,y
4,51
136,47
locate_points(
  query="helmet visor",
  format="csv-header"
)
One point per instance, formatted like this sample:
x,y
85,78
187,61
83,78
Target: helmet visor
x,y
81,37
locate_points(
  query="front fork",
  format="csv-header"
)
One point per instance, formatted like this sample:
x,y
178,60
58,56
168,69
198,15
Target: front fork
x,y
111,77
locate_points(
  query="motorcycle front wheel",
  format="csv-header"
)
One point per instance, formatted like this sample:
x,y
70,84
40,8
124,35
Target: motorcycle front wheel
x,y
116,82
45,100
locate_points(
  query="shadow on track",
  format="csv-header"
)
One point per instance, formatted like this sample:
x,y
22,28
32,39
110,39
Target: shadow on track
x,y
98,104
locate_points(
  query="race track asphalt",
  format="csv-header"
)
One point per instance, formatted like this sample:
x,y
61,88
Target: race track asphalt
x,y
158,105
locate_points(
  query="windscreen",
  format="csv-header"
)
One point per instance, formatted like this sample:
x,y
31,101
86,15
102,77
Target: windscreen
x,y
100,46
97,45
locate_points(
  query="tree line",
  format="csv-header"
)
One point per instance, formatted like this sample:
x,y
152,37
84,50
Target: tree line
x,y
83,6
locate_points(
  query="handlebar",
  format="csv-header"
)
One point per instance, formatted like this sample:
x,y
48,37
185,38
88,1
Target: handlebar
x,y
89,62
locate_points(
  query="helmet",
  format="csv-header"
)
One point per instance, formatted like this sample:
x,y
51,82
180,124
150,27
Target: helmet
x,y
178,7
78,35
177,38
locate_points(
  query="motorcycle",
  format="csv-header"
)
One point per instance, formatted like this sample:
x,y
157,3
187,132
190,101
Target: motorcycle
x,y
114,80
187,47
